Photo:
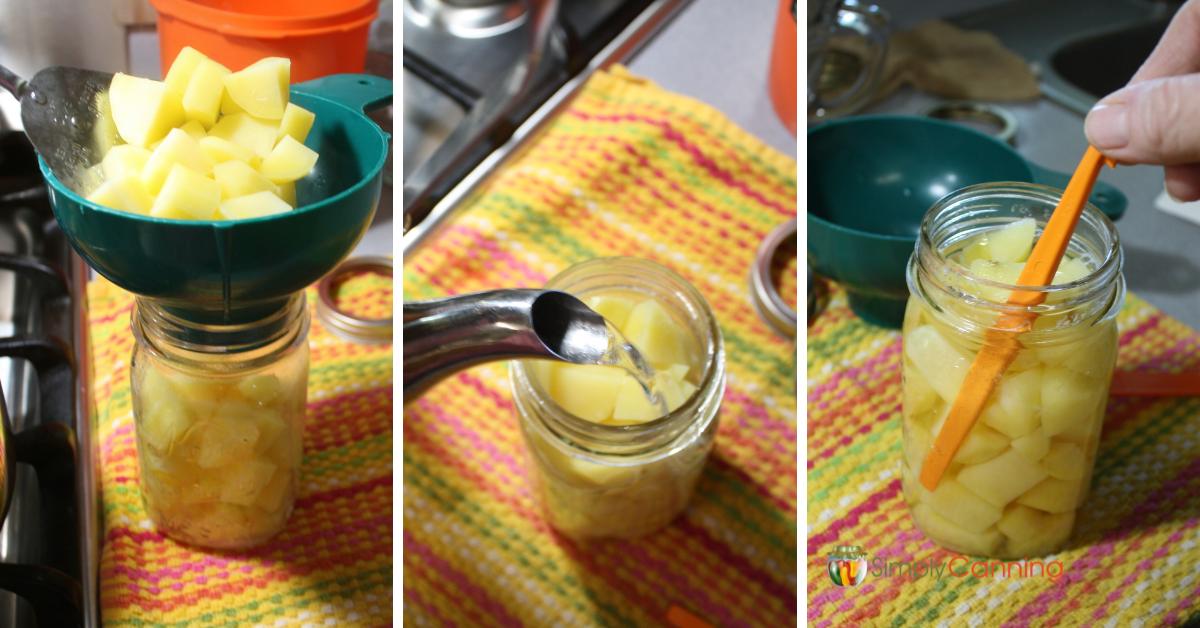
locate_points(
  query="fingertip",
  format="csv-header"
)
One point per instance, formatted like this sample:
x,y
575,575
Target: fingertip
x,y
1107,126
1183,182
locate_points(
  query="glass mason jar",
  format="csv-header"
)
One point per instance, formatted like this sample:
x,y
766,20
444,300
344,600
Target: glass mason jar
x,y
1015,485
219,411
622,481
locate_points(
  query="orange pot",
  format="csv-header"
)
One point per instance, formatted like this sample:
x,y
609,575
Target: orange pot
x,y
782,78
321,37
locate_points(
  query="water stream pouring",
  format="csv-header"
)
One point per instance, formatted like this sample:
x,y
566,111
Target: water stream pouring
x,y
443,336
218,272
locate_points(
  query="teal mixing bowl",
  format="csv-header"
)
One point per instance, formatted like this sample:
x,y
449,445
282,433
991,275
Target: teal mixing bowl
x,y
872,178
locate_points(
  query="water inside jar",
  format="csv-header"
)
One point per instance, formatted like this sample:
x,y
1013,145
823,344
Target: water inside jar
x,y
622,354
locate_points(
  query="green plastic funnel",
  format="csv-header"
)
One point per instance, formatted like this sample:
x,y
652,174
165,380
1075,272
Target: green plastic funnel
x,y
232,272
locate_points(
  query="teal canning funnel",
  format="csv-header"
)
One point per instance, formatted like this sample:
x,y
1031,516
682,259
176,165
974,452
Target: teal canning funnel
x,y
231,272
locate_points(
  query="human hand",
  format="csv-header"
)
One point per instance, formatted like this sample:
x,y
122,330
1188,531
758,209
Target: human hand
x,y
1155,119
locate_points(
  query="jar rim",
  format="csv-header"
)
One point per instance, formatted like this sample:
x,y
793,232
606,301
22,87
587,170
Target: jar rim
x,y
567,425
1105,281
194,345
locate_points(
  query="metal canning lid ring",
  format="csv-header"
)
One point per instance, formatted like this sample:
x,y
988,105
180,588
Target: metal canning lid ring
x,y
764,295
346,324
1004,123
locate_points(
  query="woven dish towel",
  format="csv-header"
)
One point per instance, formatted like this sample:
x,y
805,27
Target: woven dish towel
x,y
628,169
1134,558
331,565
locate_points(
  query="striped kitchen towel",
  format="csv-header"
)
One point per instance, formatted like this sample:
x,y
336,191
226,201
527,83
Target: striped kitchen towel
x,y
628,169
1134,558
332,564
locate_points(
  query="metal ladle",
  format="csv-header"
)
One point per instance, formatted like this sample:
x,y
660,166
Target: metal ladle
x,y
59,110
443,336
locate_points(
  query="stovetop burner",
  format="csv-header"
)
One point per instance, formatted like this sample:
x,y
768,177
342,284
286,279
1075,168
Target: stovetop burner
x,y
47,549
467,18
482,76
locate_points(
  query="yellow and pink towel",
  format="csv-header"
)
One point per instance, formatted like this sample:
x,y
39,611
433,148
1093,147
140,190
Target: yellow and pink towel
x,y
332,565
1134,556
628,169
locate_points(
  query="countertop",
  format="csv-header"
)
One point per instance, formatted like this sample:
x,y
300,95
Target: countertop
x,y
719,52
1162,252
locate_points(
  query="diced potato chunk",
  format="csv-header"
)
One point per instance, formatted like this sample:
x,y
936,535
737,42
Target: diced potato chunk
x,y
244,480
1091,353
1053,495
1065,461
124,160
916,445
225,440
1018,399
938,527
609,476
257,136
658,337
104,132
941,364
256,205
1071,269
977,249
271,497
187,194
1003,478
1054,530
228,106
1021,522
1012,242
180,73
178,148
125,194
982,443
297,122
1007,273
589,392
287,192
288,161
919,397
1067,398
614,309
632,406
141,109
1033,445
261,89
219,150
202,98
193,129
261,388
673,385
164,424
238,179
955,503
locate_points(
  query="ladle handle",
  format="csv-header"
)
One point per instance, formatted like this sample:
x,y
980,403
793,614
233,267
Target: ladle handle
x,y
13,83
443,336
361,92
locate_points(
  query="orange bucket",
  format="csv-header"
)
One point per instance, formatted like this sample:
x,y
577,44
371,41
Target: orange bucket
x,y
321,37
782,76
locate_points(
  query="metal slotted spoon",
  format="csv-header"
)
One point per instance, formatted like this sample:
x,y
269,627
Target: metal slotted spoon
x,y
60,108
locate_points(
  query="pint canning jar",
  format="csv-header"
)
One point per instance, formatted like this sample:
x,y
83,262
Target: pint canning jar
x,y
1016,483
219,412
598,480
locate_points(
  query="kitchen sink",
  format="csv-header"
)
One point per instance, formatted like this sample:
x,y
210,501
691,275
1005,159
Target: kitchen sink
x,y
1080,49
1103,64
